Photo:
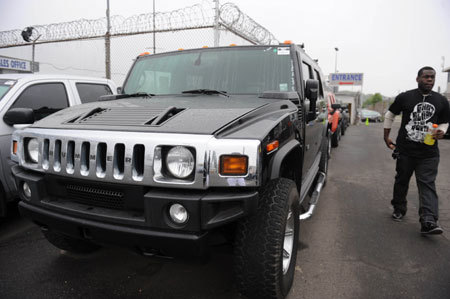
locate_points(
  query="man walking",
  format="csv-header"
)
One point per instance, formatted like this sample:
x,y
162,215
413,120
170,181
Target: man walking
x,y
420,108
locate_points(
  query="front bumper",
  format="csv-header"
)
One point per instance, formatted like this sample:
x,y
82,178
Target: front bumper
x,y
128,215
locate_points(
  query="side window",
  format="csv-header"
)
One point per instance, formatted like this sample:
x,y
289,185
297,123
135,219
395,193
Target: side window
x,y
44,99
320,83
90,92
306,70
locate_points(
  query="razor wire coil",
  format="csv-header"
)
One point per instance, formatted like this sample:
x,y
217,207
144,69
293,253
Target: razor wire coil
x,y
196,16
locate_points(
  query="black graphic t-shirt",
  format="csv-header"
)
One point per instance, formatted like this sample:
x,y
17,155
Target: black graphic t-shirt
x,y
419,112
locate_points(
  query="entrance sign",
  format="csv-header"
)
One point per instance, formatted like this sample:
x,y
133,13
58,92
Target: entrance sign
x,y
337,79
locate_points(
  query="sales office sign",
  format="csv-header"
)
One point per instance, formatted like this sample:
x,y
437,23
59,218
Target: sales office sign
x,y
15,64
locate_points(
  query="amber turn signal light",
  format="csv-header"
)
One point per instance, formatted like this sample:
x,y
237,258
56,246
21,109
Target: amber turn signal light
x,y
14,147
272,146
233,165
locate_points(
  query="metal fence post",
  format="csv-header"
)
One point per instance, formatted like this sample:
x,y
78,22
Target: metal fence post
x,y
108,44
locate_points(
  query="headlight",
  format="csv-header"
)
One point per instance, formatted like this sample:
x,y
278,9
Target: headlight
x,y
33,150
180,162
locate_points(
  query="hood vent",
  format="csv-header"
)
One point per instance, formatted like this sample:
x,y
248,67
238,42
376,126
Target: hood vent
x,y
86,115
126,116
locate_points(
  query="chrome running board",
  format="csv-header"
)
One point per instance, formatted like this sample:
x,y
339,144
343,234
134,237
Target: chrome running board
x,y
314,197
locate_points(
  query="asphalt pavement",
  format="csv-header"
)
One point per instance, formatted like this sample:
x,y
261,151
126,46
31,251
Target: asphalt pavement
x,y
350,248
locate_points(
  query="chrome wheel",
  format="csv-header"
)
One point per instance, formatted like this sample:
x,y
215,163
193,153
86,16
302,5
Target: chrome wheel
x,y
288,243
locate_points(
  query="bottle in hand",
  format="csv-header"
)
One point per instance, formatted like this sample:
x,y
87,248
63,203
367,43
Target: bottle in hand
x,y
429,140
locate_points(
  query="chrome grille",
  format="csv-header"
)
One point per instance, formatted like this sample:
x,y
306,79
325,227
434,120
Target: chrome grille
x,y
132,157
93,158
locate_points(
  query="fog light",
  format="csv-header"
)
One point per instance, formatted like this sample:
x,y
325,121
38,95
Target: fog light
x,y
26,190
178,213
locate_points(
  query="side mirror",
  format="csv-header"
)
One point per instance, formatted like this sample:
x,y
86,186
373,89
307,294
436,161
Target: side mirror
x,y
312,90
336,106
312,93
19,116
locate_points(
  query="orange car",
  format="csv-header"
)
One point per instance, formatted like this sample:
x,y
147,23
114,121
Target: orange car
x,y
334,120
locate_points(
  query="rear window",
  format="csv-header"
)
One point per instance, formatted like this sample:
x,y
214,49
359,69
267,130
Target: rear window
x,y
90,92
5,86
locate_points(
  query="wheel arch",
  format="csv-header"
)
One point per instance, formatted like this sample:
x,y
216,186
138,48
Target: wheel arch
x,y
287,159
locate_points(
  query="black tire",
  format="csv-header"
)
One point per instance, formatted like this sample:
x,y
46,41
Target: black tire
x,y
70,244
343,128
335,137
260,238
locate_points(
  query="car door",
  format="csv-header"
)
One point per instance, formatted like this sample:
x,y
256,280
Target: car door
x,y
44,98
312,128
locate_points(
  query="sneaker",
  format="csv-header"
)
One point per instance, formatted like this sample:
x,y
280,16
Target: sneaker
x,y
430,228
397,216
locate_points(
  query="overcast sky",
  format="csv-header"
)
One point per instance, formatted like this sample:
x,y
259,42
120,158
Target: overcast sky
x,y
387,40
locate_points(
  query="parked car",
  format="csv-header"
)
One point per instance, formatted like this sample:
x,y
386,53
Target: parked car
x,y
372,116
334,120
204,146
40,95
345,118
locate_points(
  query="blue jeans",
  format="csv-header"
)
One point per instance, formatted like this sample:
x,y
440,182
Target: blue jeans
x,y
425,170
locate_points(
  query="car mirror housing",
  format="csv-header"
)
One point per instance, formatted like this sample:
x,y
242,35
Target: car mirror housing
x,y
312,90
19,116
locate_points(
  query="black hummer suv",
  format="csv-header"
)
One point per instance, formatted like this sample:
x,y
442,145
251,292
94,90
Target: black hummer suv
x,y
203,146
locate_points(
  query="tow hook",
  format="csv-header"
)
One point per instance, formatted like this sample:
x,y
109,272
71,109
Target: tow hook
x,y
314,197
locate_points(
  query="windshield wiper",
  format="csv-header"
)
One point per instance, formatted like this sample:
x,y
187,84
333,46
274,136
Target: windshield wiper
x,y
111,97
206,91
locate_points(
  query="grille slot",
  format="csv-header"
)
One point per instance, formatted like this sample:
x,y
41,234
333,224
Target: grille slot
x,y
138,162
57,156
70,163
101,160
45,154
119,161
96,196
84,163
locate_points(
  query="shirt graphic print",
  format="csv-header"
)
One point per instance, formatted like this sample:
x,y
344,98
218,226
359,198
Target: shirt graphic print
x,y
417,127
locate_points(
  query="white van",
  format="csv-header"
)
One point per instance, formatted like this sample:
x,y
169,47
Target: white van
x,y
44,94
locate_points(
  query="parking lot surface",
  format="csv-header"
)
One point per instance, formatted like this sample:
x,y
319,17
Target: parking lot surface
x,y
350,248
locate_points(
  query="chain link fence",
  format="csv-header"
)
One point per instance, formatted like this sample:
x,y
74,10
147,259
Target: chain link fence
x,y
78,47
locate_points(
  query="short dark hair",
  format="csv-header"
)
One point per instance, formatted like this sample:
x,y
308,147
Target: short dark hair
x,y
425,68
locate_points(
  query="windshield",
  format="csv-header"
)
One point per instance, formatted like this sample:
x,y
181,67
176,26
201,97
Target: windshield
x,y
233,70
5,85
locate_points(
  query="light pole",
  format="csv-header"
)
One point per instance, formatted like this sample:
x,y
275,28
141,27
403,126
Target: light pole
x,y
335,60
26,35
335,88
216,24
108,44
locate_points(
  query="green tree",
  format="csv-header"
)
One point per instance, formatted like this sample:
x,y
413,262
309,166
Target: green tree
x,y
373,99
